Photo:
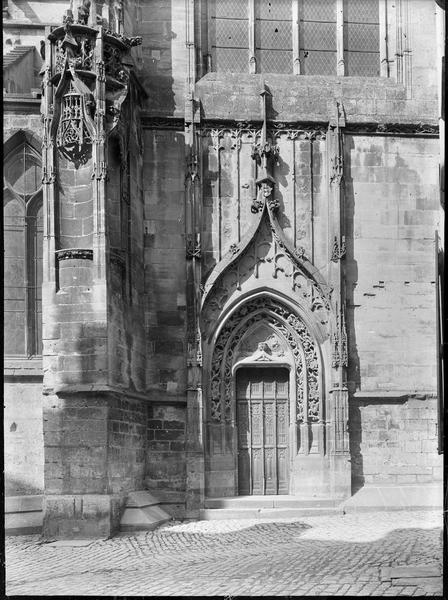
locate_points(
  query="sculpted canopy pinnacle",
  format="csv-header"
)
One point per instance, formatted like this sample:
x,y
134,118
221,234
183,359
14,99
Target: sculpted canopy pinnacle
x,y
264,153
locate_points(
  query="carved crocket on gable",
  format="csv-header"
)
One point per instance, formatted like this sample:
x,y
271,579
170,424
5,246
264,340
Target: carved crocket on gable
x,y
265,256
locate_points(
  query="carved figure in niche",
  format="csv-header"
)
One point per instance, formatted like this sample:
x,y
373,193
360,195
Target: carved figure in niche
x,y
261,345
84,12
264,192
266,189
257,205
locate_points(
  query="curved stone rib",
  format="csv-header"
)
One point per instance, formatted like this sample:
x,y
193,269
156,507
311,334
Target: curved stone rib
x,y
236,250
294,254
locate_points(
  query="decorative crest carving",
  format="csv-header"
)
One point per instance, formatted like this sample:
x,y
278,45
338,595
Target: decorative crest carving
x,y
48,175
337,168
73,136
339,250
193,246
264,153
100,171
299,340
339,339
78,253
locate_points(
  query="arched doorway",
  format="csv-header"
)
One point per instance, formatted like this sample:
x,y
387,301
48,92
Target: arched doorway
x,y
262,420
263,334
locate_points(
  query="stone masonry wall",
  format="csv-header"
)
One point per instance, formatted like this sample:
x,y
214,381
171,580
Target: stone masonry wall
x,y
127,442
165,309
392,211
93,444
161,60
165,468
164,241
394,442
124,198
23,443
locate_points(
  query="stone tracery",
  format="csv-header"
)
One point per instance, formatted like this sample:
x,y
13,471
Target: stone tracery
x,y
299,340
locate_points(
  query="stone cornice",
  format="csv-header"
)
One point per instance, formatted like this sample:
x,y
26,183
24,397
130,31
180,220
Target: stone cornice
x,y
70,388
370,128
383,395
20,105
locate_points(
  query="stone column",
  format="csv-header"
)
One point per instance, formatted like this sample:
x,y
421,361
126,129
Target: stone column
x,y
92,426
194,497
337,401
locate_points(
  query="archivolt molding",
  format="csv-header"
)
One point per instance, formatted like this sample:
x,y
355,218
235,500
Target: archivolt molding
x,y
293,330
264,244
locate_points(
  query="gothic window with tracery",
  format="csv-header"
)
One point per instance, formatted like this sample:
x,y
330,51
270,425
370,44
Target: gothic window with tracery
x,y
305,37
23,247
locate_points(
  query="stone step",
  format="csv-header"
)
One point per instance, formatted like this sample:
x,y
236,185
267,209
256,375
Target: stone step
x,y
142,512
23,515
211,514
274,501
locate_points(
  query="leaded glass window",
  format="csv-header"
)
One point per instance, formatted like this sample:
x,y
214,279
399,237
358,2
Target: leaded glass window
x,y
317,37
23,246
273,36
361,38
230,36
307,37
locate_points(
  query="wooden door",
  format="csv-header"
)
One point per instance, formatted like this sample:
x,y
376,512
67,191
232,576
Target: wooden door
x,y
263,417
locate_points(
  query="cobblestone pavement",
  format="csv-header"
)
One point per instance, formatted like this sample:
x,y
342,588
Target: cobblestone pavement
x,y
321,555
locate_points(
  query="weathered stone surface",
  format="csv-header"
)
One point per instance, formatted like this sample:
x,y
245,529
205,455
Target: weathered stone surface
x,y
81,516
119,326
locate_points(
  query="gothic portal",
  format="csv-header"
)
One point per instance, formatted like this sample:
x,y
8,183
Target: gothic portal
x,y
223,250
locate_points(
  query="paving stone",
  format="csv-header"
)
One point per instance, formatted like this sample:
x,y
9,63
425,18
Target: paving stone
x,y
327,555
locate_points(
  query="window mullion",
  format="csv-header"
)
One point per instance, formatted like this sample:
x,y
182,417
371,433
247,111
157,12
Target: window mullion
x,y
26,283
340,37
384,62
295,38
252,58
211,34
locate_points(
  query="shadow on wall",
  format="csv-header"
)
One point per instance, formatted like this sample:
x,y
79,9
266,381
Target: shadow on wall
x,y
403,211
155,63
351,273
16,486
220,188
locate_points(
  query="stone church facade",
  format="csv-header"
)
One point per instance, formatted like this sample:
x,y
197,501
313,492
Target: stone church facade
x,y
223,231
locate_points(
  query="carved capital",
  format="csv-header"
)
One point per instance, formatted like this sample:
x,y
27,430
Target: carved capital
x,y
299,252
339,340
336,170
48,175
192,172
339,250
100,171
193,249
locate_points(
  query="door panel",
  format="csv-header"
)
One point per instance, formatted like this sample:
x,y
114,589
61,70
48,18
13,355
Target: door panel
x,y
243,448
263,430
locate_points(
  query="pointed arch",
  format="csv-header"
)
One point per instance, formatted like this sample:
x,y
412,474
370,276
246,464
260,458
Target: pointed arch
x,y
264,255
23,245
23,136
303,347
